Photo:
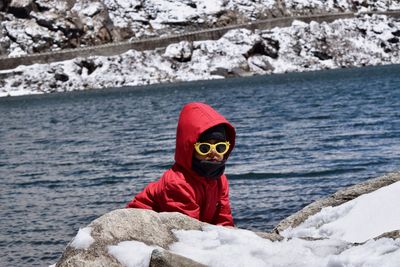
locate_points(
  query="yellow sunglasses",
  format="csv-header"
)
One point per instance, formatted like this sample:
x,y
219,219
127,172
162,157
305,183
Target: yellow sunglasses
x,y
205,148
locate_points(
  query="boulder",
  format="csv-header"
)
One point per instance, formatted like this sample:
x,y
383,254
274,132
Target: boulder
x,y
152,233
146,226
149,227
181,52
21,8
164,258
5,42
260,64
337,199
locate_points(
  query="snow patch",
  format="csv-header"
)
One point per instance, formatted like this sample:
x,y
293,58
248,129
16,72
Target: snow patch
x,y
83,239
132,253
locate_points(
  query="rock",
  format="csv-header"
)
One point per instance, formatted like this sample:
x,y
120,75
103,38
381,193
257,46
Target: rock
x,y
164,258
181,52
260,64
240,52
321,55
59,5
21,8
86,22
392,235
268,47
336,199
149,227
5,42
144,226
94,244
61,77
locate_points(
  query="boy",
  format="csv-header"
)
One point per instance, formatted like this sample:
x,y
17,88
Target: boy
x,y
196,184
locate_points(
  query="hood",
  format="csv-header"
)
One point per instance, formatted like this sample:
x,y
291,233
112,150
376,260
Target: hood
x,y
194,119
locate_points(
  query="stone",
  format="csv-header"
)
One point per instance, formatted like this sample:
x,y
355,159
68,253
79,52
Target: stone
x,y
5,42
260,63
181,52
393,235
156,229
61,77
140,225
337,199
21,8
164,258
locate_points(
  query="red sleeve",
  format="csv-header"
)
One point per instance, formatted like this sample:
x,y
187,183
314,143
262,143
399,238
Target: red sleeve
x,y
224,216
145,199
170,194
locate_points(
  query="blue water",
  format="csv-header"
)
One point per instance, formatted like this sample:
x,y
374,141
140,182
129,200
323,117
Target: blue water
x,y
67,158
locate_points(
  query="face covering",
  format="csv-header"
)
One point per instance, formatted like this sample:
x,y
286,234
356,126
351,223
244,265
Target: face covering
x,y
208,169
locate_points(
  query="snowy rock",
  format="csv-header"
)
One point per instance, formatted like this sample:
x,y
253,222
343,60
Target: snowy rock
x,y
370,40
4,41
119,232
181,52
135,237
86,23
21,8
340,197
165,258
59,6
260,64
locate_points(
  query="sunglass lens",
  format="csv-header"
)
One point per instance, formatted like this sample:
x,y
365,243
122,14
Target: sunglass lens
x,y
221,148
204,148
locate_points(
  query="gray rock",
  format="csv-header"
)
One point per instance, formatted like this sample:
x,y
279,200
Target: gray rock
x,y
336,199
181,52
155,229
164,258
144,226
260,64
4,41
21,8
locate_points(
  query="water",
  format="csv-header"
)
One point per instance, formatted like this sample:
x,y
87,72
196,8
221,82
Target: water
x,y
66,159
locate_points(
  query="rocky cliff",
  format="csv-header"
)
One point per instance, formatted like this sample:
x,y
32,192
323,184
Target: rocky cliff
x,y
32,26
361,41
138,233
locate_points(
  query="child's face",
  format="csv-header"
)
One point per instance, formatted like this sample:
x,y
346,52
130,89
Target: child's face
x,y
212,156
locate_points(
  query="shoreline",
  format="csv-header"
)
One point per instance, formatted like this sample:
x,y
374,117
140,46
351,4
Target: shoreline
x,y
184,83
368,41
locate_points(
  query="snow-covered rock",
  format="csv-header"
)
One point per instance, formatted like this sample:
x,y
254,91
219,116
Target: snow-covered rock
x,y
316,236
78,23
181,52
127,237
369,40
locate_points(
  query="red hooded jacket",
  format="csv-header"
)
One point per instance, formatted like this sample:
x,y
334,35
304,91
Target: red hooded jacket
x,y
180,188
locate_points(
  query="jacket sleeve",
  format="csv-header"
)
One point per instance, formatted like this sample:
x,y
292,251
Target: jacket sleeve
x,y
144,199
169,194
224,216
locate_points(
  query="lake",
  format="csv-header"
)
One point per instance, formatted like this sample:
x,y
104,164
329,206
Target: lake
x,y
68,158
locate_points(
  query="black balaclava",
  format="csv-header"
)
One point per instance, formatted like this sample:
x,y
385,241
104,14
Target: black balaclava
x,y
205,168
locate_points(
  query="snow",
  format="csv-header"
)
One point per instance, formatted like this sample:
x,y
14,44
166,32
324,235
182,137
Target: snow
x,y
359,220
363,41
88,9
347,222
83,239
132,253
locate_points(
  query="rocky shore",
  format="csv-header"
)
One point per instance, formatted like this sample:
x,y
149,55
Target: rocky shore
x,y
98,244
34,26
